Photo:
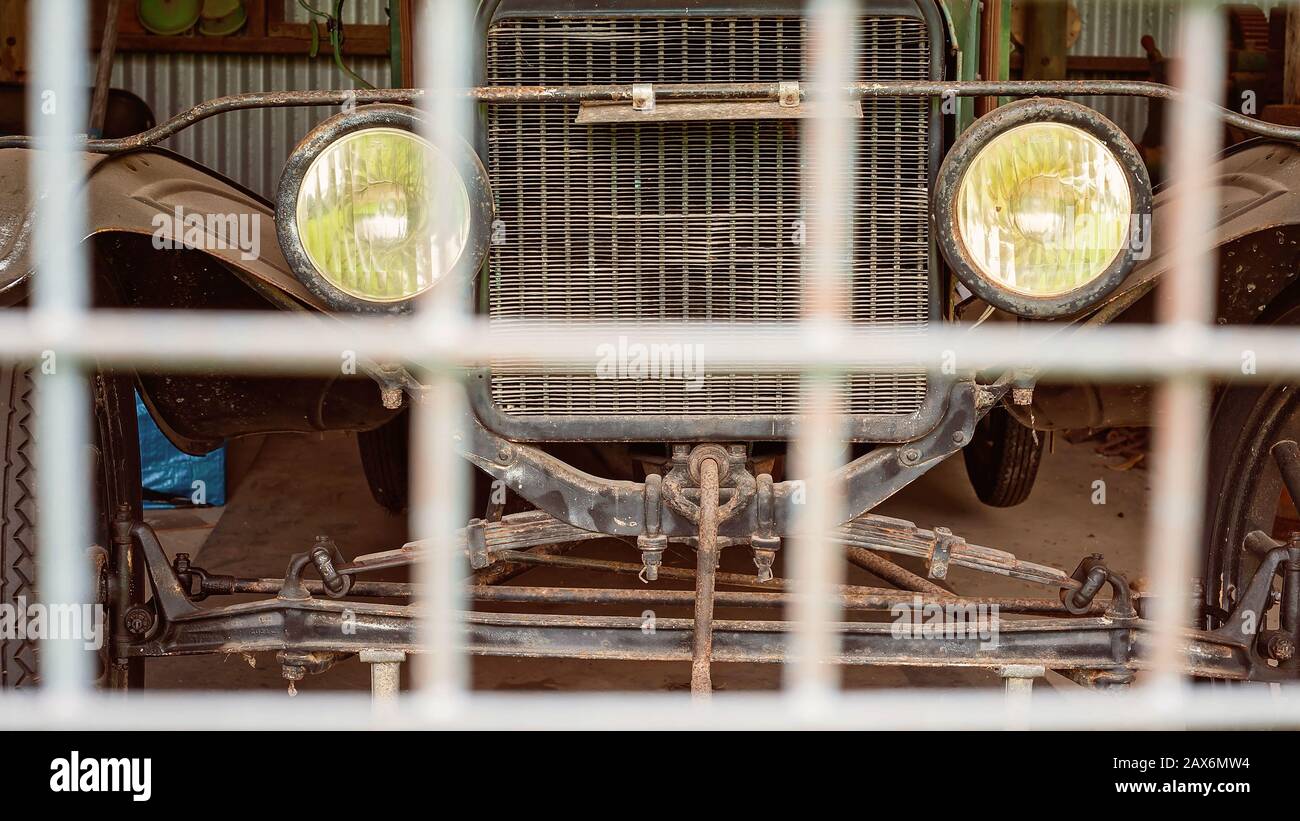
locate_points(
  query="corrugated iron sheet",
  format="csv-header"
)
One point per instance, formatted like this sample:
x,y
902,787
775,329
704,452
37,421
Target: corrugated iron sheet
x,y
248,146
371,12
1114,28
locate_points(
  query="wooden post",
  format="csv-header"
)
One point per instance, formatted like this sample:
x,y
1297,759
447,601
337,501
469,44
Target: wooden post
x,y
1046,29
1291,81
13,41
104,70
991,45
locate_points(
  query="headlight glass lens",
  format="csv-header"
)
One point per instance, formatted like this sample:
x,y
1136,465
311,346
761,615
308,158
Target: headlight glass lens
x,y
382,214
1044,209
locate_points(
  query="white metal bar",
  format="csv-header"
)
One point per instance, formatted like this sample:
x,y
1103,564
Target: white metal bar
x,y
828,149
57,109
306,343
1247,707
442,477
1175,528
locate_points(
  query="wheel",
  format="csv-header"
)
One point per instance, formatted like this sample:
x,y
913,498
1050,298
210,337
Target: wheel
x,y
1246,489
384,460
1002,459
117,469
17,519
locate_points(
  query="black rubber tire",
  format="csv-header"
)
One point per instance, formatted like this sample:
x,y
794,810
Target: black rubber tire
x,y
385,462
117,459
17,518
1002,461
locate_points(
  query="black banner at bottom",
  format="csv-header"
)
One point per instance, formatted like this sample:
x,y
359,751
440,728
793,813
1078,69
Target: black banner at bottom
x,y
309,772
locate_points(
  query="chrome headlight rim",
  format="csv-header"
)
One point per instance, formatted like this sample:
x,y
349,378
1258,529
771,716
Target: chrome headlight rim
x,y
960,159
367,118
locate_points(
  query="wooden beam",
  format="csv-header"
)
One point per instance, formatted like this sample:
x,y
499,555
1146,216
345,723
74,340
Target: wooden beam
x,y
1046,32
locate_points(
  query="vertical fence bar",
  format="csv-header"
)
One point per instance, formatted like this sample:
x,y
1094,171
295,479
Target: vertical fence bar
x,y
828,147
57,109
1187,302
440,476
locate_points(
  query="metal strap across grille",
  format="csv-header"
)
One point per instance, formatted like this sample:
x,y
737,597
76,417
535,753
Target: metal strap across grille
x,y
692,220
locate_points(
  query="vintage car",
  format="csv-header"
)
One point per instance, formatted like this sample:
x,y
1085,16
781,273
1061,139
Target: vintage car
x,y
640,161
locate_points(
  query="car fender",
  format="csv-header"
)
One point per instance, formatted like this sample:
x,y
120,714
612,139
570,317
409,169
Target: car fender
x,y
146,192
1256,235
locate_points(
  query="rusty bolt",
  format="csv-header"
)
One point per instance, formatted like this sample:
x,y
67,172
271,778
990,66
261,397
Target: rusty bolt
x,y
137,620
1278,645
1022,396
391,398
910,456
651,561
959,437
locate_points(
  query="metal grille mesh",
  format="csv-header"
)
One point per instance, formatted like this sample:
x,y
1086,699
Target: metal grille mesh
x,y
692,221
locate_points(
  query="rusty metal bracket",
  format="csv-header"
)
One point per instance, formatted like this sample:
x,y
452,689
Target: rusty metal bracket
x,y
764,543
686,476
936,565
788,94
652,543
476,544
643,97
1091,575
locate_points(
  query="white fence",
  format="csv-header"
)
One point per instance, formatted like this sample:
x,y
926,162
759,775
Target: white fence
x,y
1184,351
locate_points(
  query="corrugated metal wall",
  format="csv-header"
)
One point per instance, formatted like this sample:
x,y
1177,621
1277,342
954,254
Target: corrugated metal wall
x,y
372,12
1114,28
249,146
252,146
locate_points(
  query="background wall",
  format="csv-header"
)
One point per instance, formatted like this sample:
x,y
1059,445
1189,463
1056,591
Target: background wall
x,y
249,146
1114,28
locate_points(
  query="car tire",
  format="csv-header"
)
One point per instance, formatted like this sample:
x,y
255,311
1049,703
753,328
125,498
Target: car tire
x,y
1002,460
385,462
17,518
117,476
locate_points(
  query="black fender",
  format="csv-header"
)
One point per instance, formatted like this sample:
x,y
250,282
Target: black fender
x,y
130,200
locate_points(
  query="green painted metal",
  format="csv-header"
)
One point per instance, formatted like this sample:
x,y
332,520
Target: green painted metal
x,y
963,19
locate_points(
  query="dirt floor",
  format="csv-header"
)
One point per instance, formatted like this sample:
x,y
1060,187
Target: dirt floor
x,y
290,489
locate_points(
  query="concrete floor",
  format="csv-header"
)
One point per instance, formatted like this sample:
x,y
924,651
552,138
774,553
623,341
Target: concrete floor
x,y
296,487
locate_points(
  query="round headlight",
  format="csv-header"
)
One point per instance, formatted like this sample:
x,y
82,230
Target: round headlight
x,y
372,215
1042,206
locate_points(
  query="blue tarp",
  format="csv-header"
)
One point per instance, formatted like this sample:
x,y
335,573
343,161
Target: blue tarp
x,y
166,472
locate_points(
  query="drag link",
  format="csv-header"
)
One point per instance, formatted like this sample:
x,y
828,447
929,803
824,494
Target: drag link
x,y
706,557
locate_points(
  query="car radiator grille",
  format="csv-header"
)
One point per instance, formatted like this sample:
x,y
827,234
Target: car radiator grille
x,y
687,221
